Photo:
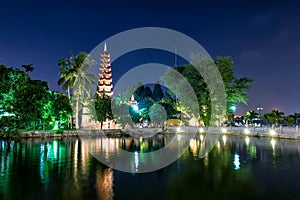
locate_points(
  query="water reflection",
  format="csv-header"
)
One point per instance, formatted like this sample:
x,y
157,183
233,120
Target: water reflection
x,y
237,167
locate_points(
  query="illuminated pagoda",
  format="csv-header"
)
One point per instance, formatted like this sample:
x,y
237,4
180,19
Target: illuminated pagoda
x,y
105,87
105,82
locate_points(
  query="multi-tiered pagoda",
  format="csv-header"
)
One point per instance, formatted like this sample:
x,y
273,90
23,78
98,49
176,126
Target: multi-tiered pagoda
x,y
105,82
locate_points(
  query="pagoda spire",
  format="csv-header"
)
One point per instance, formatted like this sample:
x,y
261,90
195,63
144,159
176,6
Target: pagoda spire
x,y
105,47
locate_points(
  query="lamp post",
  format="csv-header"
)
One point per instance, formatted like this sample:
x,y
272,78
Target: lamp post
x,y
233,109
259,113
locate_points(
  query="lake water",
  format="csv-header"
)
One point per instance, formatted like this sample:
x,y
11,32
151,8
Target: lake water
x,y
236,168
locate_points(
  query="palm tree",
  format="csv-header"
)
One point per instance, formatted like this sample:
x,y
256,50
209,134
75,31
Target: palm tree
x,y
274,116
67,75
251,115
74,75
289,119
296,117
28,68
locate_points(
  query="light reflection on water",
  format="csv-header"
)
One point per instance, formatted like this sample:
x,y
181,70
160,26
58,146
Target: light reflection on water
x,y
238,167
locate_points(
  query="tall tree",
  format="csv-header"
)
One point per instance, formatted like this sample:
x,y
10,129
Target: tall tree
x,y
157,94
67,75
236,88
139,92
29,102
147,92
103,108
78,77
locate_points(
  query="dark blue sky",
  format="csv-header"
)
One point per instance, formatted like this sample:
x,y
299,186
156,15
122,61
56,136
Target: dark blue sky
x,y
261,36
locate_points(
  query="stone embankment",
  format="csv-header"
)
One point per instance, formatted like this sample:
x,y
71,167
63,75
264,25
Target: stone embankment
x,y
274,132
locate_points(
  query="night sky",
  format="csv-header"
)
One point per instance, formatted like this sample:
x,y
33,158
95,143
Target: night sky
x,y
261,36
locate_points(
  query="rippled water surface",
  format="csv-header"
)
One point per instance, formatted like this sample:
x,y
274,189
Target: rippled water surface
x,y
236,168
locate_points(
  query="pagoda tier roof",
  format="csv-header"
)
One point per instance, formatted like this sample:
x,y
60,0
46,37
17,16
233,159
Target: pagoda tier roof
x,y
105,80
105,54
103,84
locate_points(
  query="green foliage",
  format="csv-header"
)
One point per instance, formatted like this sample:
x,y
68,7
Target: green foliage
x,y
236,89
103,108
157,93
274,116
121,114
289,119
251,115
157,114
29,101
74,75
28,104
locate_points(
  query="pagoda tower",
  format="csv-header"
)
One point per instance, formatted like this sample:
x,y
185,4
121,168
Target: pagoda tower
x,y
105,82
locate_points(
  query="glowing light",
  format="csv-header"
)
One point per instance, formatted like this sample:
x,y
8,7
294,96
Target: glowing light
x,y
193,146
233,108
223,130
178,129
201,138
135,107
178,138
247,140
247,131
236,162
218,144
273,143
272,132
201,130
56,125
224,139
136,160
55,148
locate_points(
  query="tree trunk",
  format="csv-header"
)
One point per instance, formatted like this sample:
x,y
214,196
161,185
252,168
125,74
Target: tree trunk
x,y
77,112
69,93
70,119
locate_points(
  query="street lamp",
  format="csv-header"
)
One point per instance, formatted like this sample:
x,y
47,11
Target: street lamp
x,y
259,113
233,109
135,108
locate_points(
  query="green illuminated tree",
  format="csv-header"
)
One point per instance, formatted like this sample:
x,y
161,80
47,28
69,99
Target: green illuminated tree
x,y
29,102
103,108
236,88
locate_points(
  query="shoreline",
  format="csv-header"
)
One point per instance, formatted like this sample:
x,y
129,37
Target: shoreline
x,y
121,133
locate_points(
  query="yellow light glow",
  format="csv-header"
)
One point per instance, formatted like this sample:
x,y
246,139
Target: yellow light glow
x,y
247,131
247,140
224,139
223,130
273,143
272,132
201,138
